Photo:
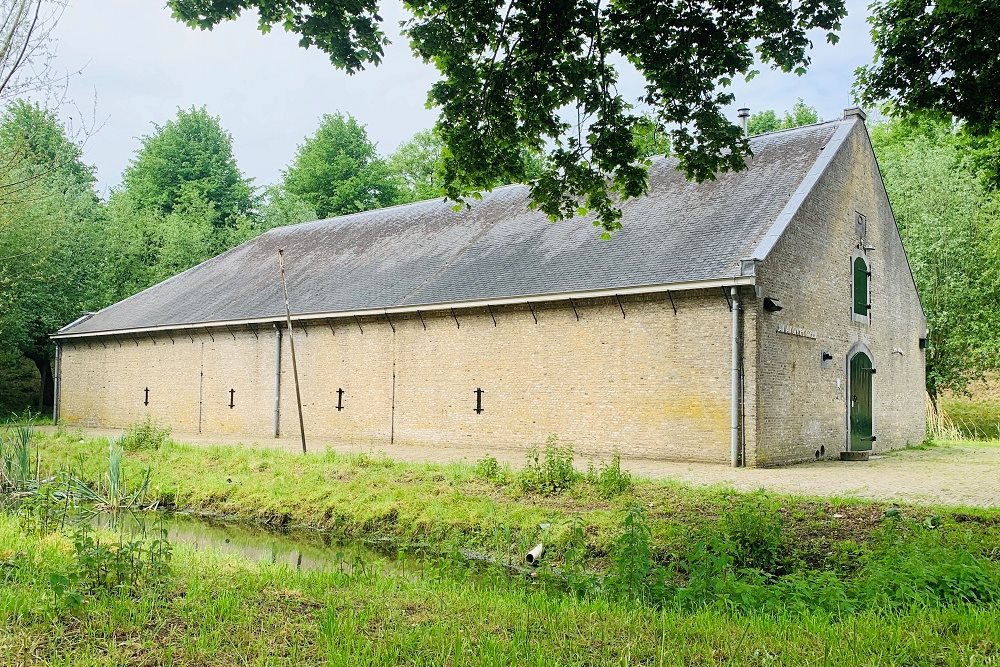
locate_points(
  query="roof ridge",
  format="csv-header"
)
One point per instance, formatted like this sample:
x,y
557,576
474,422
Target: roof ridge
x,y
403,205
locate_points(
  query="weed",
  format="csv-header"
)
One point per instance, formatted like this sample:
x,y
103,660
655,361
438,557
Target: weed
x,y
610,479
16,473
144,435
114,493
552,472
634,574
490,470
751,532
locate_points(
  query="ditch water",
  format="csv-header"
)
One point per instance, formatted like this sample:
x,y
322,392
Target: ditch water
x,y
298,549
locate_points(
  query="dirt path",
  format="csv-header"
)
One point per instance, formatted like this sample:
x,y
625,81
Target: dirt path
x,y
960,474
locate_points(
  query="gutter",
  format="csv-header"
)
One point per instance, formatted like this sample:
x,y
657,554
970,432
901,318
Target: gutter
x,y
735,404
277,380
55,387
380,312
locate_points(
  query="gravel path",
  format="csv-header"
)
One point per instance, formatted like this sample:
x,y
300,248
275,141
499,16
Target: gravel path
x,y
954,474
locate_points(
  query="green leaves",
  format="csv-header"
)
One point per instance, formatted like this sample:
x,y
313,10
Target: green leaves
x,y
189,157
539,76
947,222
937,56
348,32
768,120
338,170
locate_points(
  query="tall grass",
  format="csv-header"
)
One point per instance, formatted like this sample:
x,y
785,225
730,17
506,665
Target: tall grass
x,y
112,493
17,475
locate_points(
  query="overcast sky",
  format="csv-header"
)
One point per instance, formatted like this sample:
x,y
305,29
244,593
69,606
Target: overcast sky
x,y
140,65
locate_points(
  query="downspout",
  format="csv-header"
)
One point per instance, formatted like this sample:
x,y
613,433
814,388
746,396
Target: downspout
x,y
277,379
55,388
734,408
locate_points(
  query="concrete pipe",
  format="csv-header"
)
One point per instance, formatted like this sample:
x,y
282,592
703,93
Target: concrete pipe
x,y
534,556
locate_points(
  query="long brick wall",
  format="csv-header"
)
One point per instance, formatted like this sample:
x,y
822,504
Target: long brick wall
x,y
651,383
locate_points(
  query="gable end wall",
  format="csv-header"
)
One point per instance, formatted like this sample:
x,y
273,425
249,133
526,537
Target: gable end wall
x,y
802,405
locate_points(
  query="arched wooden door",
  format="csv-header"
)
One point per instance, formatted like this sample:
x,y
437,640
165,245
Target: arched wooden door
x,y
860,394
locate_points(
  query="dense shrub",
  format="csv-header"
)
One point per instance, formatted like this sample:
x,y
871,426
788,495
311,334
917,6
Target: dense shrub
x,y
750,532
146,434
551,472
490,470
610,479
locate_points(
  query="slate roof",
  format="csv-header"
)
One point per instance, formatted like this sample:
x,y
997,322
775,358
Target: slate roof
x,y
426,253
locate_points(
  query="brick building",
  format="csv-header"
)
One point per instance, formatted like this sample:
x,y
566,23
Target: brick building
x,y
769,316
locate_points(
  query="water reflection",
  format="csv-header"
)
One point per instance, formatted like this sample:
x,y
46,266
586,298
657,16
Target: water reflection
x,y
299,550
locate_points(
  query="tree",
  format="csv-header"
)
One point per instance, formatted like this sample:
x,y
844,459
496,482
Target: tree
x,y
768,120
48,237
763,122
418,164
650,138
280,208
26,46
937,55
541,75
190,155
338,170
947,221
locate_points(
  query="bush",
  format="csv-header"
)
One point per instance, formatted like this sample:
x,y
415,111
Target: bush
x,y
611,480
751,532
490,470
147,434
914,566
634,574
552,473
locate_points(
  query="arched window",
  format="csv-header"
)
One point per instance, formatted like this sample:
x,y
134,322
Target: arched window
x,y
862,305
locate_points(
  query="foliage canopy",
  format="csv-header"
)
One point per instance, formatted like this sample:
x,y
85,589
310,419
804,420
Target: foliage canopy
x,y
189,156
947,220
769,121
540,75
338,170
936,55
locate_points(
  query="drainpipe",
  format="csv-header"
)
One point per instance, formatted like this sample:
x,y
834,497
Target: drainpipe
x,y
734,438
55,388
277,379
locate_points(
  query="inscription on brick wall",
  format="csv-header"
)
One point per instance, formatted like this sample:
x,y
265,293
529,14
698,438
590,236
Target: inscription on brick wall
x,y
797,331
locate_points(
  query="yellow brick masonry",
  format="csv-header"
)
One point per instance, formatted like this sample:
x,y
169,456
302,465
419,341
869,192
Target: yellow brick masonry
x,y
651,383
802,406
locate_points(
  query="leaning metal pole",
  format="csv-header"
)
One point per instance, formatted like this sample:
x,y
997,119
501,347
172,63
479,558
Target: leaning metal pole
x,y
291,345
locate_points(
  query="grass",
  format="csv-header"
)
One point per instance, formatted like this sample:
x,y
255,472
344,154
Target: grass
x,y
404,504
636,571
221,611
975,419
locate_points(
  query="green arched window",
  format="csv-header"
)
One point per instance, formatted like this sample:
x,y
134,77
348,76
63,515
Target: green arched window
x,y
861,276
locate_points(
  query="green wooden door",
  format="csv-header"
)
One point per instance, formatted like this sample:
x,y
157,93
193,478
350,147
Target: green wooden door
x,y
861,402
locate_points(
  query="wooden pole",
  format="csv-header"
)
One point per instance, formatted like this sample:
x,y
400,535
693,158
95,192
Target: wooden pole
x,y
291,344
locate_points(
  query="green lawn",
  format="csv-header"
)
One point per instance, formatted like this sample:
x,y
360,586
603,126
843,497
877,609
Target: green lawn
x,y
215,611
658,573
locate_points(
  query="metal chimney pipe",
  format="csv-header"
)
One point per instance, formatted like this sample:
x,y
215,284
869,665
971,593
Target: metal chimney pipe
x,y
743,114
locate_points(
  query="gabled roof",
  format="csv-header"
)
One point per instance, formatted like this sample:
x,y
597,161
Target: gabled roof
x,y
426,254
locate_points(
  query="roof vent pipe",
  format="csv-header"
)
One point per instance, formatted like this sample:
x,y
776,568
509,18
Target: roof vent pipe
x,y
743,114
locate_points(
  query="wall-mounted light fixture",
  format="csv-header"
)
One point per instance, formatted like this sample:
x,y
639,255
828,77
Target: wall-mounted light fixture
x,y
772,305
825,358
